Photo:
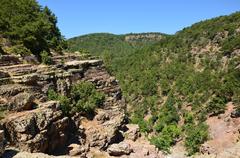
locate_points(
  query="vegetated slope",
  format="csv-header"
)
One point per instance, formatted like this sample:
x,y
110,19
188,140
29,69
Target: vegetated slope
x,y
172,86
27,28
111,46
97,43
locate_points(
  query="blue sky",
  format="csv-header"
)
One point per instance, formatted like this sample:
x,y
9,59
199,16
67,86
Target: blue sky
x,y
78,17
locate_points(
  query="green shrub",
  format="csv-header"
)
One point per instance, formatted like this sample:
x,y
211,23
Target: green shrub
x,y
167,114
52,95
216,105
230,44
188,118
166,138
30,24
85,97
65,102
195,136
45,58
19,49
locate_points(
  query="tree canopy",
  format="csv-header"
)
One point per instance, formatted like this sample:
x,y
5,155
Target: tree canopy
x,y
29,26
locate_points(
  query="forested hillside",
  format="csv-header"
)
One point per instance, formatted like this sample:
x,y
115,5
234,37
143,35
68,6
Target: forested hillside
x,y
173,85
26,28
110,46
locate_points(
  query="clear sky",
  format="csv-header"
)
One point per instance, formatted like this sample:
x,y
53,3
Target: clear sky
x,y
78,17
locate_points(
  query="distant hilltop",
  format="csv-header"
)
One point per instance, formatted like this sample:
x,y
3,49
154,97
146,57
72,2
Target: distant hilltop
x,y
144,36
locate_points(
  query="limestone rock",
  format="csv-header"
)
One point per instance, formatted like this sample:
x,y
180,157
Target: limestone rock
x,y
22,101
40,130
46,129
79,63
119,149
37,155
11,90
31,59
6,60
4,74
207,149
77,150
29,79
102,116
133,132
63,86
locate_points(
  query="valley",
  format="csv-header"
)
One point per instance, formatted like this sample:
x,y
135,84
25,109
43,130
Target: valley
x,y
104,95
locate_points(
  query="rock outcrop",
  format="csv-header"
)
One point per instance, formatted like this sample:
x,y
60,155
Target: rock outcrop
x,y
34,124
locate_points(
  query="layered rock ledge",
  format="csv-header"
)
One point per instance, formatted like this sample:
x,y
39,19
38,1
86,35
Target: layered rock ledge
x,y
34,124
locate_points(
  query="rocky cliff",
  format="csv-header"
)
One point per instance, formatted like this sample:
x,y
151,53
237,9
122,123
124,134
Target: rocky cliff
x,y
34,124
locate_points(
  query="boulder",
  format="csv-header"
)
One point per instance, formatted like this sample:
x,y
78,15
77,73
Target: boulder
x,y
235,114
4,74
82,63
10,90
77,150
31,59
207,149
6,60
133,132
20,102
102,116
119,149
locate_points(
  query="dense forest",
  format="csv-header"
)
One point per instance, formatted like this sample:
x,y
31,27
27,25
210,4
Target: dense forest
x,y
174,79
26,28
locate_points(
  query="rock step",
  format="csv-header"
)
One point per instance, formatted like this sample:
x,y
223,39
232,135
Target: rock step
x,y
4,81
25,79
67,56
8,60
20,69
82,63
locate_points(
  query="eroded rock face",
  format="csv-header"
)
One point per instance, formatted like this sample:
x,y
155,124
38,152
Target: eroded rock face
x,y
38,125
20,102
40,130
133,132
77,150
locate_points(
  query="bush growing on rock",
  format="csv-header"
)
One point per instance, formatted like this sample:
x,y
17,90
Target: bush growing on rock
x,y
65,102
195,136
85,97
45,58
19,49
167,137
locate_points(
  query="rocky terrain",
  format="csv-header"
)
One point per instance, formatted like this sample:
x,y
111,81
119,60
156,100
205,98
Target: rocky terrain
x,y
33,124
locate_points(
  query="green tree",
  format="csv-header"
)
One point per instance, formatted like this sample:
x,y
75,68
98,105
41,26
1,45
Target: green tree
x,y
85,97
196,135
25,23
